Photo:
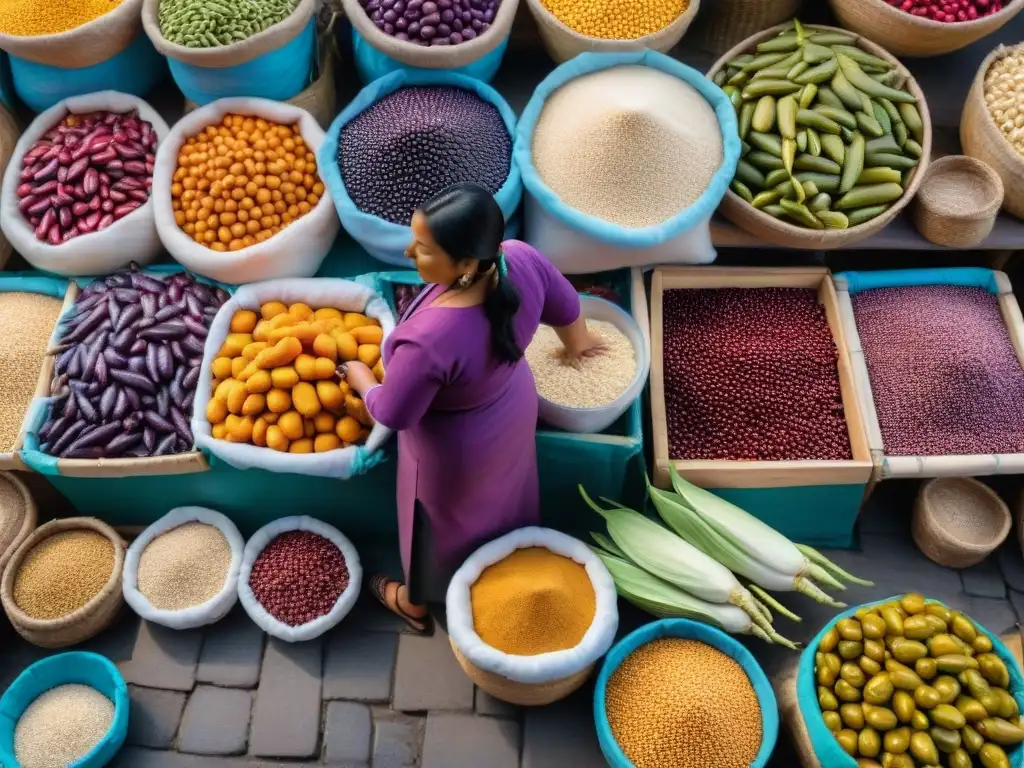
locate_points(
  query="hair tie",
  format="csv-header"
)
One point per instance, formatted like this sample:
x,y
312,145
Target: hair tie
x,y
502,266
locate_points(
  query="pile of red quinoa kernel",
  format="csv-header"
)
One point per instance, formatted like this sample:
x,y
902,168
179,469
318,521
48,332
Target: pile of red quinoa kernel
x,y
751,375
949,11
299,577
85,173
943,371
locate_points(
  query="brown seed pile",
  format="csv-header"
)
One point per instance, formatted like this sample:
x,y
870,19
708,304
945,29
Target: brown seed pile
x,y
61,726
597,381
12,513
26,322
677,703
184,567
62,573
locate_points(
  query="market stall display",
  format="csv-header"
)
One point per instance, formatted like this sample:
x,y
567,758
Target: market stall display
x,y
75,195
958,521
63,584
182,571
959,201
9,132
529,614
17,515
924,28
838,131
205,206
300,577
957,331
624,158
990,129
406,137
677,693
67,709
263,49
751,436
571,27
910,678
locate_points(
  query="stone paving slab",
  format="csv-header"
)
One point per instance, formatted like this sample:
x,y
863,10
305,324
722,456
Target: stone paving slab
x,y
163,658
154,716
984,579
359,664
427,676
232,655
396,740
286,718
216,721
348,732
460,741
562,734
485,704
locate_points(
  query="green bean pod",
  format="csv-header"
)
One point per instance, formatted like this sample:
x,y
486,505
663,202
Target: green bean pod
x,y
787,112
820,202
742,190
746,118
825,182
819,74
801,214
854,163
863,82
813,142
763,60
797,69
766,142
884,143
833,38
759,88
807,95
912,119
818,121
765,161
913,148
776,177
881,116
838,115
766,197
833,147
764,114
869,125
849,95
833,219
861,215
873,194
816,54
879,176
784,43
749,175
828,97
889,160
788,153
862,57
816,164
801,140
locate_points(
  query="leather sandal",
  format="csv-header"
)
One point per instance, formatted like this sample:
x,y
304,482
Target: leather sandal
x,y
378,587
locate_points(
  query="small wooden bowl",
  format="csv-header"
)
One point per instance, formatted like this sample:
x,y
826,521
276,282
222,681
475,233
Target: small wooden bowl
x,y
982,509
958,202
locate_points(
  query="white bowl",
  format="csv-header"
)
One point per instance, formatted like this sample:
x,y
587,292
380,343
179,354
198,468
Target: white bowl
x,y
598,419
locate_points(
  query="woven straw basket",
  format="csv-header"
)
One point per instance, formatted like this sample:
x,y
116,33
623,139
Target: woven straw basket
x,y
780,233
9,133
967,221
523,694
89,620
563,43
785,691
980,137
18,519
906,35
977,501
727,22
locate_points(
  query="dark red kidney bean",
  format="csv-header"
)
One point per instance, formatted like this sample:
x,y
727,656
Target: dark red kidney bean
x,y
71,233
48,171
54,236
152,365
39,207
26,204
166,445
77,169
47,221
141,195
86,408
128,316
104,157
187,404
95,203
134,167
25,190
91,181
123,210
177,352
65,217
138,347
118,197
105,222
79,209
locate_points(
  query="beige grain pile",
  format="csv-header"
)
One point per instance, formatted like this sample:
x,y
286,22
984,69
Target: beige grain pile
x,y
631,145
957,191
184,567
61,726
597,381
26,322
12,513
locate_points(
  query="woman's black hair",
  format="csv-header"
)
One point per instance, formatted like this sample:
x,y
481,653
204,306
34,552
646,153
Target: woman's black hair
x,y
467,223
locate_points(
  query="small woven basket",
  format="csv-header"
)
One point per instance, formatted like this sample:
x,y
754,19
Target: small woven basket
x,y
89,620
978,504
17,519
907,35
523,694
981,138
563,43
727,22
959,201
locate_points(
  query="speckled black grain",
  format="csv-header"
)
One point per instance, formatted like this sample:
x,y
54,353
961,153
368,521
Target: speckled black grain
x,y
415,142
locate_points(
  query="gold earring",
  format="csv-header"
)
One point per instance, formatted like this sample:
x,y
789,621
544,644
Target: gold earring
x,y
465,281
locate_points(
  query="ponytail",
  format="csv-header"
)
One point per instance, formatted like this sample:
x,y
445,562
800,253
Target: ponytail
x,y
500,306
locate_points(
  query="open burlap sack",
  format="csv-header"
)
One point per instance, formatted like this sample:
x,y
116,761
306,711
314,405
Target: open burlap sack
x,y
84,46
9,133
785,691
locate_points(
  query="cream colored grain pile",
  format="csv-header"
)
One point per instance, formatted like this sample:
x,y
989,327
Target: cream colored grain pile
x,y
184,567
61,726
1004,97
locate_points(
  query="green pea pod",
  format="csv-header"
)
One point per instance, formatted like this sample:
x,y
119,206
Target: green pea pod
x,y
828,97
801,214
881,116
813,142
847,134
759,88
882,144
833,219
749,175
777,72
788,153
763,60
849,95
900,133
854,163
764,160
816,164
879,176
820,202
816,120
873,194
742,190
766,197
816,54
807,95
833,148
798,69
837,115
775,210
766,142
912,119
744,148
740,78
833,38
801,140
862,57
746,118
826,182
891,111
869,125
890,160
801,33
776,177
784,43
787,110
862,215
913,148
810,188
789,189
858,79
764,114
819,74
885,78
740,61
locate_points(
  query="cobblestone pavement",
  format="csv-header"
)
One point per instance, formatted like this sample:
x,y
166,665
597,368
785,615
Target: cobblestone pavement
x,y
369,694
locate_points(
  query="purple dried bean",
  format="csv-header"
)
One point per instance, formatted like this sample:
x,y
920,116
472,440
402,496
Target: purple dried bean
x,y
149,438
122,443
189,382
134,380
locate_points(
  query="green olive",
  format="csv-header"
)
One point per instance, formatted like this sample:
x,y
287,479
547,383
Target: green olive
x,y
994,670
976,684
867,762
902,676
829,641
846,692
939,610
848,741
832,721
918,628
826,699
893,621
938,624
959,759
999,731
825,676
897,741
926,668
964,628
878,689
875,651
946,716
946,740
849,629
982,644
940,645
972,740
873,626
850,649
926,697
852,674
869,743
955,663
852,716
869,665
881,718
948,688
903,705
919,721
897,761
912,603
1007,704
971,709
923,748
992,756
908,651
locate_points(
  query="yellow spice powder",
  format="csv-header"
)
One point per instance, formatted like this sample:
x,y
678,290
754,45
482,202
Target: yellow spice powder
x,y
62,573
534,601
678,703
34,18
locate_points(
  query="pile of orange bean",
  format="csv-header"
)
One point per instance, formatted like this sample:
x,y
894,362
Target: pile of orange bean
x,y
242,181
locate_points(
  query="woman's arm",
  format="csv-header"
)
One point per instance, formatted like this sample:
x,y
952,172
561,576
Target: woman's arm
x,y
412,380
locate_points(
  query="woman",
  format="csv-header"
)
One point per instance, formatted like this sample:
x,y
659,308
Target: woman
x,y
460,394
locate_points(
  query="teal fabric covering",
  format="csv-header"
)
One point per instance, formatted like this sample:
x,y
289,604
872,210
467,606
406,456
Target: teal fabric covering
x,y
64,669
372,64
33,282
135,70
277,75
6,84
697,631
826,748
970,277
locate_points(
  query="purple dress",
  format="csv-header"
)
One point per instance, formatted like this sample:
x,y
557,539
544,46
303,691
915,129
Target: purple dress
x,y
467,458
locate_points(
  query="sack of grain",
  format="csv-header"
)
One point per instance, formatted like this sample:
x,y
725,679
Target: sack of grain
x,y
274,63
18,515
339,463
378,53
463,127
624,159
297,250
99,251
9,132
182,571
78,53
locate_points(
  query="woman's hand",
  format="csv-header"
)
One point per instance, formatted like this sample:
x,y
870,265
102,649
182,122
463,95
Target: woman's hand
x,y
358,376
580,342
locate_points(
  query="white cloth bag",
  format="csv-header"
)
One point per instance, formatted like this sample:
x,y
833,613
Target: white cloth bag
x,y
318,626
214,609
133,238
296,251
345,295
